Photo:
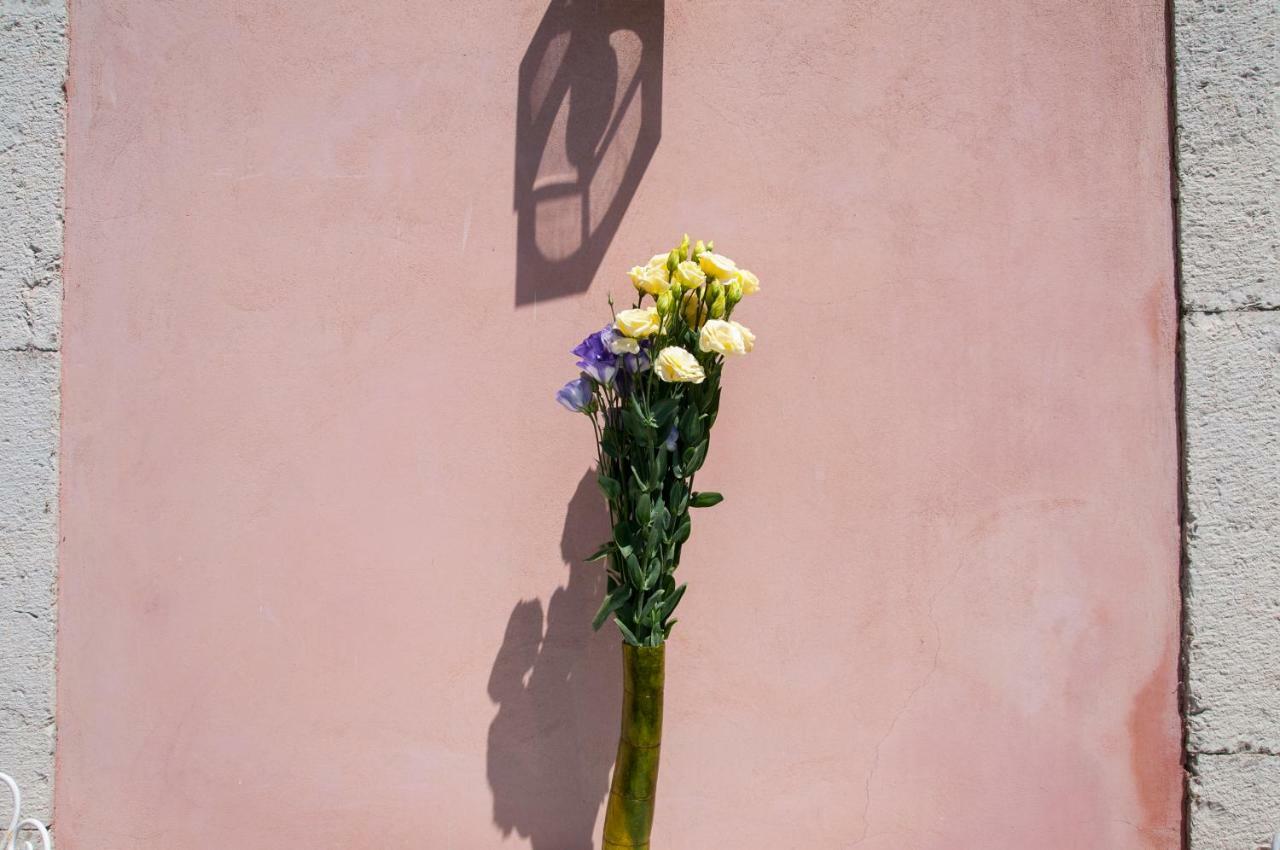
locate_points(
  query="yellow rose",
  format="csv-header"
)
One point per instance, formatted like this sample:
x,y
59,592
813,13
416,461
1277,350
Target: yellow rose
x,y
688,275
717,265
654,280
695,312
638,322
748,338
677,366
721,337
749,282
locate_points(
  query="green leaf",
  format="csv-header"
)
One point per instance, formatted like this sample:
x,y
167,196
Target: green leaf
x,y
705,500
648,605
679,496
683,529
612,602
627,634
609,442
666,631
644,508
612,489
634,574
639,482
659,515
603,551
672,601
694,456
659,470
652,574
664,412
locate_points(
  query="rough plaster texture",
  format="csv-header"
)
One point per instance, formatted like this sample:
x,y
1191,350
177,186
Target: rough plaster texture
x,y
1232,399
32,71
1228,87
323,524
1227,58
1234,801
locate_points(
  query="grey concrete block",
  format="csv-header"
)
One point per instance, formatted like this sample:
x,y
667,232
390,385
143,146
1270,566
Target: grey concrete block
x,y
1228,79
1233,502
28,533
33,58
1234,802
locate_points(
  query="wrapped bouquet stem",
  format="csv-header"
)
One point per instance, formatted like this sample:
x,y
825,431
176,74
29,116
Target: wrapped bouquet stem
x,y
650,385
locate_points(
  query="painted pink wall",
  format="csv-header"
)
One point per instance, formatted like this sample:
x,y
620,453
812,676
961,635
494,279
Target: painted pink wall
x,y
312,467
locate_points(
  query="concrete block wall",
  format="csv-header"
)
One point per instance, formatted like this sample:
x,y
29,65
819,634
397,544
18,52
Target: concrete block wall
x,y
1227,64
33,59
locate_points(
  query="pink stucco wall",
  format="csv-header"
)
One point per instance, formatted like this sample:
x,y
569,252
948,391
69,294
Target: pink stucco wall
x,y
321,517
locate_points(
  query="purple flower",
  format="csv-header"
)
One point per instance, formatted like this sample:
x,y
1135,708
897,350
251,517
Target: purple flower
x,y
672,436
595,358
576,394
634,363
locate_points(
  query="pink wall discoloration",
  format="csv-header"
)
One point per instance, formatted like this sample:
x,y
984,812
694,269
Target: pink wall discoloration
x,y
311,466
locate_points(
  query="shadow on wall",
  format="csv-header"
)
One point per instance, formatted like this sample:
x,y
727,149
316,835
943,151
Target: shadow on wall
x,y
558,692
588,120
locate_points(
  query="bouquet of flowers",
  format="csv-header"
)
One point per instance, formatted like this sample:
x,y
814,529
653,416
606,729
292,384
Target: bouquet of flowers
x,y
650,385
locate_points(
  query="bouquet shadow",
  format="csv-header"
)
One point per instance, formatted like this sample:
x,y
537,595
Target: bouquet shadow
x,y
557,688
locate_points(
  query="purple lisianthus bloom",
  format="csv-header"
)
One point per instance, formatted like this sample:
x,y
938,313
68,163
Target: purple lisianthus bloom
x,y
576,394
595,357
635,363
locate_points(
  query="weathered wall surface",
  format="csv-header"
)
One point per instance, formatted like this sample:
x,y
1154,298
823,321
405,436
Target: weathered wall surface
x,y
323,523
33,58
1227,57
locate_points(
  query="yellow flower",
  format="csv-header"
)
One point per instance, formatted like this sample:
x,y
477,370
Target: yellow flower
x,y
695,312
638,322
721,337
717,265
652,279
749,282
748,338
688,275
677,366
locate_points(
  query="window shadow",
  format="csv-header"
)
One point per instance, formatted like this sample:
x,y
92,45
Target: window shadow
x,y
559,694
588,120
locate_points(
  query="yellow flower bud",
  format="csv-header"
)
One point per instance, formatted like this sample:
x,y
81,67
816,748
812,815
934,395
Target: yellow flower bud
x,y
717,307
665,303
733,292
695,312
698,248
684,248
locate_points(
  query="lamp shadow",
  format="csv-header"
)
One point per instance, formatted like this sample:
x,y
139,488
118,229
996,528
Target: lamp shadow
x,y
588,120
559,694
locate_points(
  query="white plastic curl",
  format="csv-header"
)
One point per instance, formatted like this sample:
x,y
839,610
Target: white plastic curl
x,y
18,824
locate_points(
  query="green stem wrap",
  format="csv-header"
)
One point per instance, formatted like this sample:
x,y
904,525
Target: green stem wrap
x,y
628,816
